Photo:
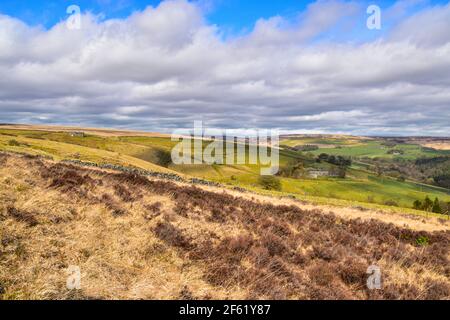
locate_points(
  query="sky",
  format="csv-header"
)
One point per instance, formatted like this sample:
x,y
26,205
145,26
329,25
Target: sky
x,y
296,66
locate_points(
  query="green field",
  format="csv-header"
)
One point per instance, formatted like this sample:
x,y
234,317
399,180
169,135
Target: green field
x,y
360,186
327,142
374,149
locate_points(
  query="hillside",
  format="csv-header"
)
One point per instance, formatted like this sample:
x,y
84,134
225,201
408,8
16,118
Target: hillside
x,y
104,132
139,238
361,187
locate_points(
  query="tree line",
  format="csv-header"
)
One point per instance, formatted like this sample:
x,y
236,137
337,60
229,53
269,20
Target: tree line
x,y
336,160
429,205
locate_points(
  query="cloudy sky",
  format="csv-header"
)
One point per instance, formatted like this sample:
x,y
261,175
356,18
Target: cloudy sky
x,y
299,66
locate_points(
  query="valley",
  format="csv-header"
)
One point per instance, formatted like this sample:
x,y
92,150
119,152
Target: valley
x,y
374,179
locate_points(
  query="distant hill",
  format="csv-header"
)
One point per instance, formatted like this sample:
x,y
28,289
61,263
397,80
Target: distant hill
x,y
95,131
362,185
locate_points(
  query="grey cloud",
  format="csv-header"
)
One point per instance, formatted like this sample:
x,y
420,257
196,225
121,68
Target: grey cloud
x,y
165,67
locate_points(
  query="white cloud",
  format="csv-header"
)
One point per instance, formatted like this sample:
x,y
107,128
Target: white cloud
x,y
427,28
166,66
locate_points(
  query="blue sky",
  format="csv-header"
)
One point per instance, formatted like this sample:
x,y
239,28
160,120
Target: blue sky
x,y
233,15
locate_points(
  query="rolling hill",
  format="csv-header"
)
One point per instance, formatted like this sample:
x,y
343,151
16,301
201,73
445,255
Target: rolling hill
x,y
360,187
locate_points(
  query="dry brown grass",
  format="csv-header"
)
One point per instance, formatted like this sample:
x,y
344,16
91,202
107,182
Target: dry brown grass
x,y
393,216
135,238
434,143
438,145
104,132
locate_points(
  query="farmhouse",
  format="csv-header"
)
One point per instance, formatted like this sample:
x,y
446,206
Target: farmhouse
x,y
77,134
316,173
396,152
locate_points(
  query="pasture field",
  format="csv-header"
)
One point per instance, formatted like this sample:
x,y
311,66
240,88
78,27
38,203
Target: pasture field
x,y
360,186
360,147
326,142
374,149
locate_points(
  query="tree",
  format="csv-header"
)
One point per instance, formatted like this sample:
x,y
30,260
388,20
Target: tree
x,y
332,159
163,158
340,171
343,161
270,183
445,208
442,180
14,143
378,170
391,203
436,206
292,170
323,157
336,160
427,204
418,205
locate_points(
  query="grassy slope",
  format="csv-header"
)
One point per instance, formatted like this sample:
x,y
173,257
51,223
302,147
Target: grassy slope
x,y
143,239
375,149
292,142
363,148
40,144
140,152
